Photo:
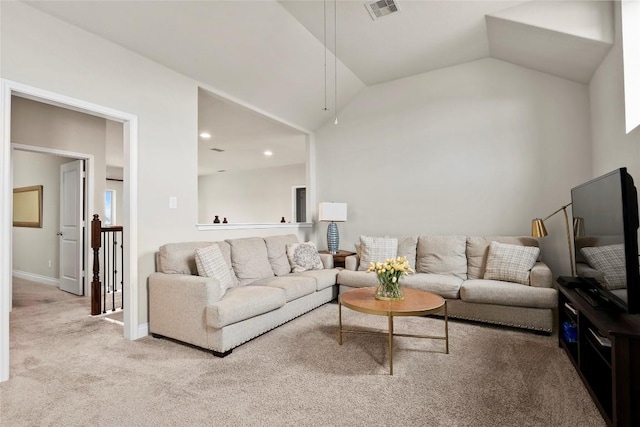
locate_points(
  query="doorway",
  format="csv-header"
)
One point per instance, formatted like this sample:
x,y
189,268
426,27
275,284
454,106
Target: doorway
x,y
130,149
58,251
299,203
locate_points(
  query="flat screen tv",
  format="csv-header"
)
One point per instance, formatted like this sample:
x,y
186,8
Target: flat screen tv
x,y
605,223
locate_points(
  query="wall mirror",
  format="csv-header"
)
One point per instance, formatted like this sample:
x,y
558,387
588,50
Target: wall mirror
x,y
251,169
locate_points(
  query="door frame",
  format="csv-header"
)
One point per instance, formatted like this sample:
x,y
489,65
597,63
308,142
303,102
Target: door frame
x,y
87,203
132,329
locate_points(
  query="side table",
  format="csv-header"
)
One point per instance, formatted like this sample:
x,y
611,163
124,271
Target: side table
x,y
339,257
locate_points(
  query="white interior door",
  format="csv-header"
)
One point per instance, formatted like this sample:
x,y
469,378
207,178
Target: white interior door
x,y
71,226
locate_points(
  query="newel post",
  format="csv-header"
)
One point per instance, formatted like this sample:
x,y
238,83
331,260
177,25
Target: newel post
x,y
96,243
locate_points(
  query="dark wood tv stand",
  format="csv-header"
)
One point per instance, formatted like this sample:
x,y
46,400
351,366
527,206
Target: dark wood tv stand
x,y
610,374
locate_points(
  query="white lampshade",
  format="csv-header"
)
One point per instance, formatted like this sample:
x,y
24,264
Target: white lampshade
x,y
336,212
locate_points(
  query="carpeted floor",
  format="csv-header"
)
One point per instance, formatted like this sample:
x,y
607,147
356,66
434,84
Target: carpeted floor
x,y
68,369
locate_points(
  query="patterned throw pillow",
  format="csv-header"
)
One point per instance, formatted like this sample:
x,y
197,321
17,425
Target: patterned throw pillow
x,y
376,249
608,260
211,263
303,257
510,263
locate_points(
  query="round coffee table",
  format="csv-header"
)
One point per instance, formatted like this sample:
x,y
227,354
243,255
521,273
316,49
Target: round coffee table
x,y
415,303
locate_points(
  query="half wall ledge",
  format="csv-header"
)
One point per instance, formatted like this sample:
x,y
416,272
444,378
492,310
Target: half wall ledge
x,y
211,227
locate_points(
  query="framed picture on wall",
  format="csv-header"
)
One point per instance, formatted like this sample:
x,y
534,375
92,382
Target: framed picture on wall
x,y
27,206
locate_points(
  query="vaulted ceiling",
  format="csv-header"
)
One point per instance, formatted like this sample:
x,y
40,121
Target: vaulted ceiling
x,y
271,54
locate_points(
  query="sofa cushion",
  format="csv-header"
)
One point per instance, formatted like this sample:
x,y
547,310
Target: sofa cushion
x,y
440,284
510,263
324,278
180,258
478,250
407,248
250,259
357,279
210,263
507,293
244,302
277,252
303,257
442,255
608,260
376,249
294,286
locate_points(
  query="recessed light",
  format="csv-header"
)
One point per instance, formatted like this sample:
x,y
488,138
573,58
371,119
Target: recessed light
x,y
205,135
268,153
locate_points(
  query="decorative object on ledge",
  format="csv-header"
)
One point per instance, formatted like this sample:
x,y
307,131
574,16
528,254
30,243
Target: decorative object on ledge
x,y
332,212
539,230
27,206
282,220
389,273
224,220
216,220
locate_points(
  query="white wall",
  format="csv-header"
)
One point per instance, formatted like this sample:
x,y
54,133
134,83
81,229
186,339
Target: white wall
x,y
612,146
477,149
43,125
44,52
251,196
34,248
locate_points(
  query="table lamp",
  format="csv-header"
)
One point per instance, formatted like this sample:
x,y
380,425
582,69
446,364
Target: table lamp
x,y
332,212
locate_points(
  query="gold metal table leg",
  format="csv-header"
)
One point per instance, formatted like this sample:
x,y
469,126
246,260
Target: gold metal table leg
x,y
339,322
446,328
390,344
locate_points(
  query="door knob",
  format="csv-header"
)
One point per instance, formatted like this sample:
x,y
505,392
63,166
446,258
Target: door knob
x,y
59,234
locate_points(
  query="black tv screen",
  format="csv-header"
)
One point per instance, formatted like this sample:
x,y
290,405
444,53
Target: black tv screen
x,y
605,223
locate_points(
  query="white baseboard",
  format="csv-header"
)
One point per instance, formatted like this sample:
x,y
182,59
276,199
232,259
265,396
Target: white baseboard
x,y
143,330
36,278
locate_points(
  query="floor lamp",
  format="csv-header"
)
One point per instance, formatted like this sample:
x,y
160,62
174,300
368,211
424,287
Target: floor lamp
x,y
332,212
539,230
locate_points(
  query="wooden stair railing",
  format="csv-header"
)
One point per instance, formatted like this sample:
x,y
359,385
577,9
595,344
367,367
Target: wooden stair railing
x,y
99,289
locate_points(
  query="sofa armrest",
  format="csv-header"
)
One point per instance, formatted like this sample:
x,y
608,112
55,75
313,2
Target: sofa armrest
x,y
327,260
177,305
541,276
351,262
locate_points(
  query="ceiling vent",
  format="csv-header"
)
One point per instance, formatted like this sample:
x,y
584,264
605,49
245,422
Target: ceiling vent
x,y
378,9
218,150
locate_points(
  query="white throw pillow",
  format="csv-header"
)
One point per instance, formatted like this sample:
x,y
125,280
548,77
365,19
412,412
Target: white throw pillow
x,y
608,260
211,263
510,263
376,249
303,257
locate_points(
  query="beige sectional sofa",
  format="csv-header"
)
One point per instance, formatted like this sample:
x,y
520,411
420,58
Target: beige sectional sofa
x,y
265,294
454,268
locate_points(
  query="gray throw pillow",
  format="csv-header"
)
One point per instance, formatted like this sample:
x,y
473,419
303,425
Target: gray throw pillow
x,y
304,257
376,249
211,263
510,263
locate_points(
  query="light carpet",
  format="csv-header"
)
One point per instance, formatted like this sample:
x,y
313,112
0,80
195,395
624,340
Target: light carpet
x,y
68,369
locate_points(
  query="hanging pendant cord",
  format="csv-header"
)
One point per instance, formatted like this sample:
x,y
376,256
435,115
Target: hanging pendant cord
x,y
324,33
335,54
